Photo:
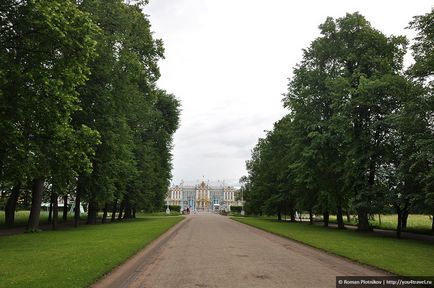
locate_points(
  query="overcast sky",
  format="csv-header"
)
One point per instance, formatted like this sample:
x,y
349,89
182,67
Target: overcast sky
x,y
229,61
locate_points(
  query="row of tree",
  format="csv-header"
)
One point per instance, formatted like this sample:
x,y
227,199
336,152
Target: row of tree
x,y
359,135
80,112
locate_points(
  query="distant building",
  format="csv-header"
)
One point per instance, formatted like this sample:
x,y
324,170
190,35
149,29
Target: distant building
x,y
202,196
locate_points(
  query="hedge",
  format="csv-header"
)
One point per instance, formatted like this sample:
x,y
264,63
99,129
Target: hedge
x,y
236,209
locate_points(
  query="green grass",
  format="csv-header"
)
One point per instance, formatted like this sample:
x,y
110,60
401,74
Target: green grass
x,y
74,257
21,218
399,256
415,223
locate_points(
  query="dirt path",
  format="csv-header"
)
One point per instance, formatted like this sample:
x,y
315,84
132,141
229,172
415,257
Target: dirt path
x,y
209,250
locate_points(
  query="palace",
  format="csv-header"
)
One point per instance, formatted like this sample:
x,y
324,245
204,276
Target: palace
x,y
203,197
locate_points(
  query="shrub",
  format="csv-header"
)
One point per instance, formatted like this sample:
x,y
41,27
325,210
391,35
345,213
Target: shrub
x,y
236,209
174,208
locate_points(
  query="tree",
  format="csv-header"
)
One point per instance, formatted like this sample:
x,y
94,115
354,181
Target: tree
x,y
349,101
45,48
423,71
368,63
319,135
136,120
269,188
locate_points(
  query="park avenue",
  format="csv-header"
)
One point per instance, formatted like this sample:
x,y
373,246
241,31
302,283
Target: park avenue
x,y
209,250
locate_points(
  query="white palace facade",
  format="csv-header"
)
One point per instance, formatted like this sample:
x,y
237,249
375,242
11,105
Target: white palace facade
x,y
203,197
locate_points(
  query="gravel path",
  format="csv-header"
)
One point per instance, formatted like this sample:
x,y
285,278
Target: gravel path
x,y
208,250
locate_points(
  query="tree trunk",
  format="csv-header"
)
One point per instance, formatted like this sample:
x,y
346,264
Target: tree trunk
x,y
404,218
65,208
399,224
11,205
340,218
55,210
134,212
104,216
121,209
379,218
348,216
326,216
77,212
50,210
292,214
115,204
26,199
127,210
310,216
279,216
92,212
35,211
363,222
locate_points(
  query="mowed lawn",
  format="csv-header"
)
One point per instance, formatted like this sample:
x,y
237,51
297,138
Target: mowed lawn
x,y
415,222
74,257
21,218
399,256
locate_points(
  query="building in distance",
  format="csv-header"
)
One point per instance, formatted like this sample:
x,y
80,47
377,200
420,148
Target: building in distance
x,y
203,196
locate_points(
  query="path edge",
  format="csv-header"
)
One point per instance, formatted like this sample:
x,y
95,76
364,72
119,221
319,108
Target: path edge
x,y
122,274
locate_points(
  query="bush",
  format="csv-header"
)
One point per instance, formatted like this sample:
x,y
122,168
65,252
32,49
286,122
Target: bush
x,y
174,208
236,209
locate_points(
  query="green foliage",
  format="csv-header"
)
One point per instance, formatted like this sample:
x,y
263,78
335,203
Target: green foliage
x,y
136,120
423,72
45,49
359,133
175,208
236,209
80,108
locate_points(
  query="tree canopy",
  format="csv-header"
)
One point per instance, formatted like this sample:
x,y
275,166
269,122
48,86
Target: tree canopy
x,y
358,135
80,112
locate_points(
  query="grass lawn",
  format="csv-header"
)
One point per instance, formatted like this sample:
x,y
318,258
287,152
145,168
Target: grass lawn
x,y
21,218
399,256
74,257
415,223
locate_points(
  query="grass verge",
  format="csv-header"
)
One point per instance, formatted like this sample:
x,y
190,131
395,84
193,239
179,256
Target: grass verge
x,y
399,256
75,257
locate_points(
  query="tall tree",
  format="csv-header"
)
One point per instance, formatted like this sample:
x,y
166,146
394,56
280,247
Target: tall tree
x,y
45,47
423,71
122,102
367,63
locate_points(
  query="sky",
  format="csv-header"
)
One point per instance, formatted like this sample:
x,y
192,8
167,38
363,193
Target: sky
x,y
229,61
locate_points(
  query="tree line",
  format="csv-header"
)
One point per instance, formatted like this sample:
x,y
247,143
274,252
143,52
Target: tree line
x,y
80,113
359,134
